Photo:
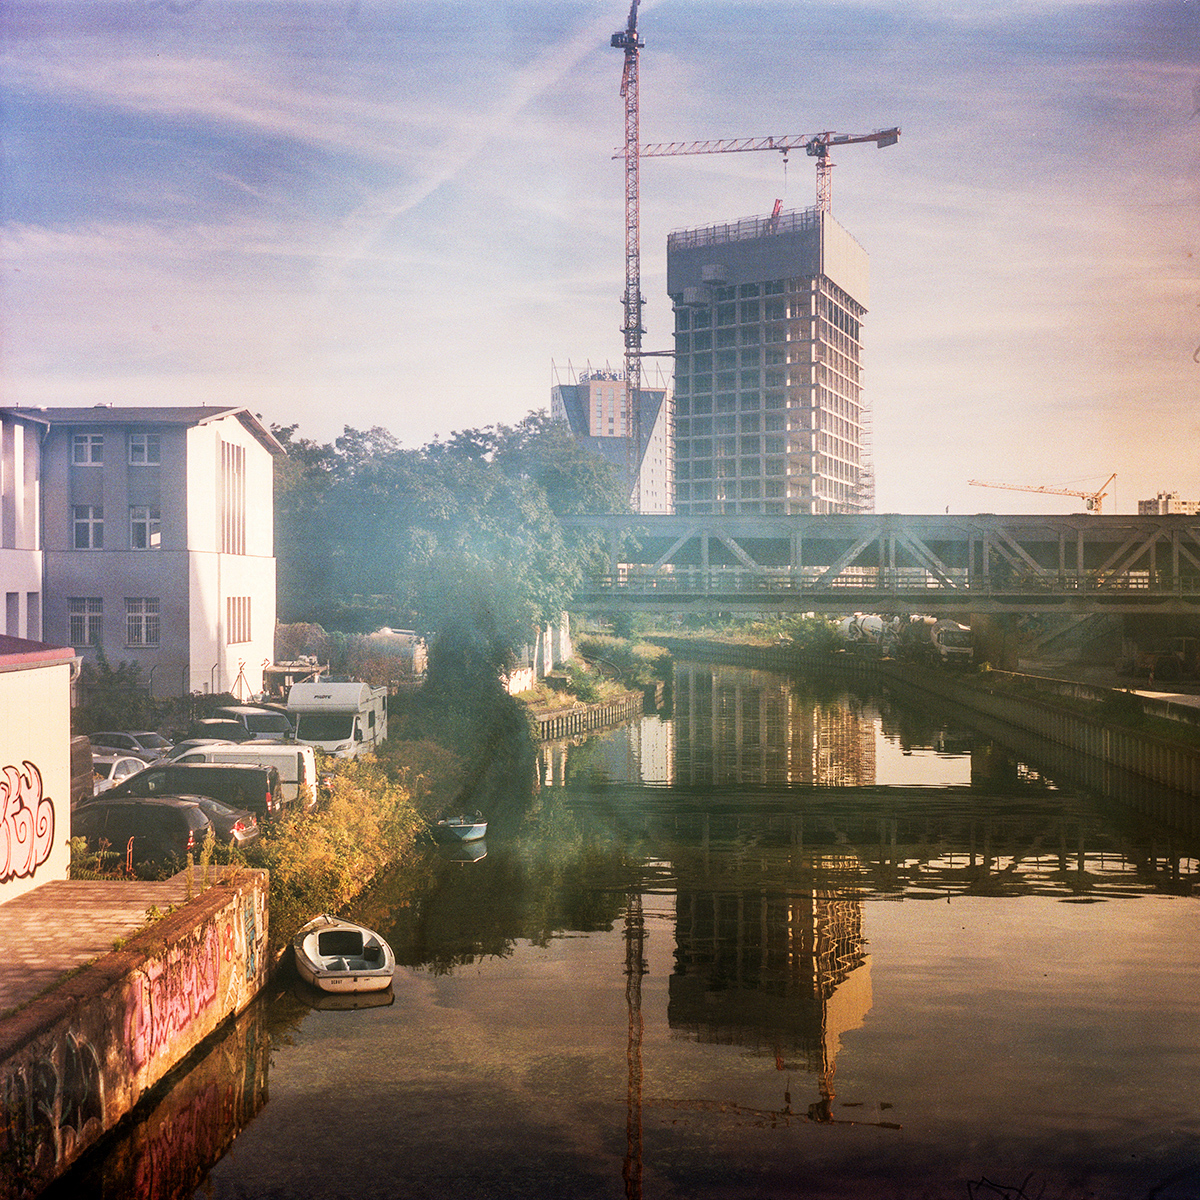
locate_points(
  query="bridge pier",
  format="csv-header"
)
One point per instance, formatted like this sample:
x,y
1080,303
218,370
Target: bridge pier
x,y
995,639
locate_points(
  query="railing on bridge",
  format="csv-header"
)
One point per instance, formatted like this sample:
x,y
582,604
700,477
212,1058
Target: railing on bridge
x,y
973,563
898,582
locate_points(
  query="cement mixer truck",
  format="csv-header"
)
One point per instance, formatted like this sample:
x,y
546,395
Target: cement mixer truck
x,y
936,640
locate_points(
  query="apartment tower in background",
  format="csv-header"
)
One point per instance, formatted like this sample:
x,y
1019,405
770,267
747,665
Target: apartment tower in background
x,y
770,416
593,406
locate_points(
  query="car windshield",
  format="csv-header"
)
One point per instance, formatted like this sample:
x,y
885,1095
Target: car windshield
x,y
325,727
153,741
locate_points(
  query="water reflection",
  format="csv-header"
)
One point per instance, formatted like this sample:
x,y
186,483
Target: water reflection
x,y
789,940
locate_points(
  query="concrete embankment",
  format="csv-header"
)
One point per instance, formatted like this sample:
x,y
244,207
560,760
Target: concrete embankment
x,y
1170,763
77,1058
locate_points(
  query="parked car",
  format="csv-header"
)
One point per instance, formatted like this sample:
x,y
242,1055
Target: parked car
x,y
178,750
141,830
144,744
297,764
238,785
110,769
82,785
230,825
219,727
262,724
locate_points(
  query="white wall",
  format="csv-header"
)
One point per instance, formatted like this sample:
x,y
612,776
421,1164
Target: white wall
x,y
35,776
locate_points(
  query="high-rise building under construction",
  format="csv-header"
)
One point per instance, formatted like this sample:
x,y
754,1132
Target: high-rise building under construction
x,y
770,416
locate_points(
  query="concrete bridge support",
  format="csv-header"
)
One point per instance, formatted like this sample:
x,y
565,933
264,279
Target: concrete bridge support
x,y
995,639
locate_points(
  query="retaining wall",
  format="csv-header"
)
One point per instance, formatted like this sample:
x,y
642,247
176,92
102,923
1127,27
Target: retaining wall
x,y
75,1061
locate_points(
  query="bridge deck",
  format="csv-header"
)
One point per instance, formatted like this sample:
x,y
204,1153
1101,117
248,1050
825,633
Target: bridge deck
x,y
983,563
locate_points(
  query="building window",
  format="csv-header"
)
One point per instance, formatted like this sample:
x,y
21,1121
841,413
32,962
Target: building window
x,y
86,617
143,449
145,528
89,526
87,448
141,621
237,618
233,499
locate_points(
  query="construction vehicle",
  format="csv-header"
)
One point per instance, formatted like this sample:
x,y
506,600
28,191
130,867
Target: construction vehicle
x,y
936,640
1093,500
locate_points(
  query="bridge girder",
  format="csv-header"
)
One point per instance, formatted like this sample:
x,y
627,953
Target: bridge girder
x,y
836,563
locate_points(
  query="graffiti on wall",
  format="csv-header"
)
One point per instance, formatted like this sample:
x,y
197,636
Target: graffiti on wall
x,y
48,1102
26,822
171,992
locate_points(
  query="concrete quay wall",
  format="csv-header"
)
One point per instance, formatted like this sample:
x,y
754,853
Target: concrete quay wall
x,y
76,1060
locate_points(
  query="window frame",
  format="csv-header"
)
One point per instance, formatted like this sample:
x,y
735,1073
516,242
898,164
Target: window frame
x,y
143,624
92,444
92,524
152,522
85,615
147,441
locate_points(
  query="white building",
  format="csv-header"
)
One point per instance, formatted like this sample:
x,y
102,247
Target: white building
x,y
156,540
1167,502
20,525
35,764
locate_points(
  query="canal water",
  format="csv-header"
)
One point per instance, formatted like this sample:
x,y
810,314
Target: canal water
x,y
786,941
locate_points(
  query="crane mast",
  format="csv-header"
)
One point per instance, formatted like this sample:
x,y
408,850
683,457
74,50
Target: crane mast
x,y
815,145
627,39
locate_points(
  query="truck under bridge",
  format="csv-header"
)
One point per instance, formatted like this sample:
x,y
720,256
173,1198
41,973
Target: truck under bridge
x,y
948,565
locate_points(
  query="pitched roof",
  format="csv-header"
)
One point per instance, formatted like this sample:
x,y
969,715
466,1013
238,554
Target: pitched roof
x,y
107,414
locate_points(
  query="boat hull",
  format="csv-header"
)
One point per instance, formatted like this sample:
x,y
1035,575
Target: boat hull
x,y
460,831
342,957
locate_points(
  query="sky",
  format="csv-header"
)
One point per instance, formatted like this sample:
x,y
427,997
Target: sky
x,y
376,212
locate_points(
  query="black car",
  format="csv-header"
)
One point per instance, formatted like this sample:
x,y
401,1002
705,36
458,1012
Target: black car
x,y
234,826
238,785
141,830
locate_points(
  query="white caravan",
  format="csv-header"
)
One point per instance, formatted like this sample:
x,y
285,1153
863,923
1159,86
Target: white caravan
x,y
297,765
344,719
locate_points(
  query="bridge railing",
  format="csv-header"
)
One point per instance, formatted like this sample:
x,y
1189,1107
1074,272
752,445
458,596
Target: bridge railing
x,y
890,581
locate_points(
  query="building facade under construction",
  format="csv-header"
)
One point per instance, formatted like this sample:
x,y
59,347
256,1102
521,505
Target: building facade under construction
x,y
770,414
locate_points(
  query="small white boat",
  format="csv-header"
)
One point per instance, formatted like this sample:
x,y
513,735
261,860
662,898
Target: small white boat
x,y
461,829
340,956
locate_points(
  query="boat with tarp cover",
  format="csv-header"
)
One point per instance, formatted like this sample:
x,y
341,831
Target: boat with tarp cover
x,y
340,956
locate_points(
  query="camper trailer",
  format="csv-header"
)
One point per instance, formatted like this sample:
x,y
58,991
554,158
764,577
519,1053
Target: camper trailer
x,y
343,719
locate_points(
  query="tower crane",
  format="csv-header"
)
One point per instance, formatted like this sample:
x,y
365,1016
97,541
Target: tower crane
x,y
815,145
630,42
1094,500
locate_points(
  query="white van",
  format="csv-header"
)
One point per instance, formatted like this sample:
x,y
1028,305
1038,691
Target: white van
x,y
344,719
297,765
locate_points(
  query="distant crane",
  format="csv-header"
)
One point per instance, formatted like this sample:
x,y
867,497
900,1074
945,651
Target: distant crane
x,y
1094,500
815,145
627,39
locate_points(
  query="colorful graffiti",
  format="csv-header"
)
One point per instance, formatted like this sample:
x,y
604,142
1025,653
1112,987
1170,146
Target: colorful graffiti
x,y
26,822
174,990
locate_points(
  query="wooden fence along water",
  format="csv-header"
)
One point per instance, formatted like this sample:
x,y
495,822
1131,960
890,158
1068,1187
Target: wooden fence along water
x,y
579,718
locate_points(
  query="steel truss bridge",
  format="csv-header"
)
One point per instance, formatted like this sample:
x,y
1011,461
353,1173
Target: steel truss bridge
x,y
982,564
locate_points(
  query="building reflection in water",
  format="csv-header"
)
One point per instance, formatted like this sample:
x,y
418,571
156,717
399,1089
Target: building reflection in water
x,y
737,725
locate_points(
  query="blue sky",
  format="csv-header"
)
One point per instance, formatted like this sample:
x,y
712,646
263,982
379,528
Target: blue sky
x,y
400,214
